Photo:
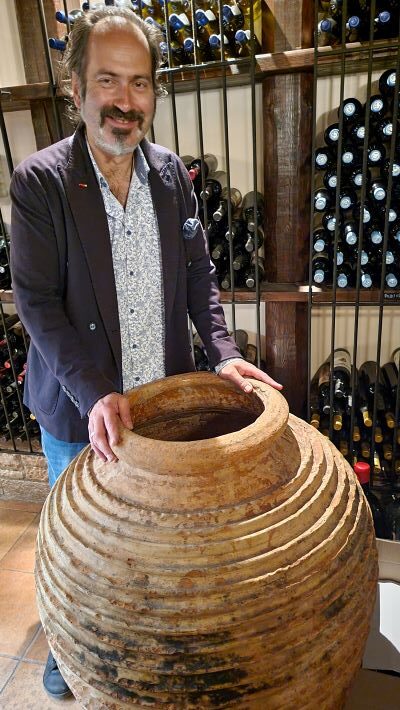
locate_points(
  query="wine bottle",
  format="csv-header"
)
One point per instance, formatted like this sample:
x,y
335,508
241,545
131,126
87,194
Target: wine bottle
x,y
383,24
329,221
362,402
330,179
357,133
219,46
356,177
392,277
341,372
213,186
384,129
331,134
248,210
377,191
373,234
254,241
377,107
181,27
234,196
363,473
347,198
324,159
387,82
324,378
244,43
241,258
321,268
208,164
376,154
250,273
321,240
322,200
345,275
349,232
350,155
351,109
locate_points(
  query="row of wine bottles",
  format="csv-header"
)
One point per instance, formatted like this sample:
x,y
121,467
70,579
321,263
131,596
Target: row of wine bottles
x,y
366,220
16,421
372,385
247,350
181,44
333,29
237,240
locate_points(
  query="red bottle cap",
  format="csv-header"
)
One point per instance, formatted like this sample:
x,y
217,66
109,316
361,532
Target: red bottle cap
x,y
363,471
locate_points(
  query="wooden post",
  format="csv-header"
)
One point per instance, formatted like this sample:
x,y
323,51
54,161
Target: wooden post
x,y
287,121
33,52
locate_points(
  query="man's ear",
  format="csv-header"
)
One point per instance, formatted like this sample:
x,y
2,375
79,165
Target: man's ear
x,y
76,89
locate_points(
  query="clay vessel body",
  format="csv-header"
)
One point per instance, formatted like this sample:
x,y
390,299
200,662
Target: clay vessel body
x,y
227,560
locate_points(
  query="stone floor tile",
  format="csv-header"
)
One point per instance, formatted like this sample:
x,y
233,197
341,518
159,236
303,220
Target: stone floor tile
x,y
19,618
25,691
7,665
12,524
39,649
21,555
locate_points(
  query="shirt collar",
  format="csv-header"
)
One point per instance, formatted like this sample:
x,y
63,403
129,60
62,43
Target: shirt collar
x,y
141,167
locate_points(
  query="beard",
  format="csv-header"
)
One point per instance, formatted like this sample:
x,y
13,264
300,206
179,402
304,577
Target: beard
x,y
119,144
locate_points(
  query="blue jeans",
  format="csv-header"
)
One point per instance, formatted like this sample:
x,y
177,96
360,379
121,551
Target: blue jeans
x,y
59,454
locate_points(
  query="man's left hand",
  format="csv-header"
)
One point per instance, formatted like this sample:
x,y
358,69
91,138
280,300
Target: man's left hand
x,y
238,370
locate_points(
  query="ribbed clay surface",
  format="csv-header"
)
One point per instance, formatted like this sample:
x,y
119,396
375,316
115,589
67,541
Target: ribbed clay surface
x,y
237,571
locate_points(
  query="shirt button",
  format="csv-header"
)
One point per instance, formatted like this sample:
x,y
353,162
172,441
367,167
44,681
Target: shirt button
x,y
131,273
128,231
137,379
132,310
134,346
92,326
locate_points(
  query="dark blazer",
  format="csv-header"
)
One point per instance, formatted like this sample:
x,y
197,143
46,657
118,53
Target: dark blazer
x,y
63,280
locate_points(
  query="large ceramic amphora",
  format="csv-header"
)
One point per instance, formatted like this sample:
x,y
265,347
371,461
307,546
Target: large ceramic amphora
x,y
227,560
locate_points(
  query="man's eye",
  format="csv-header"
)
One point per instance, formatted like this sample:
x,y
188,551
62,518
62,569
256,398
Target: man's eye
x,y
106,81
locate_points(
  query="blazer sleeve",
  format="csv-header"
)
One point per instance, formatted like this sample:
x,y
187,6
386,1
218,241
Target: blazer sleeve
x,y
204,305
38,282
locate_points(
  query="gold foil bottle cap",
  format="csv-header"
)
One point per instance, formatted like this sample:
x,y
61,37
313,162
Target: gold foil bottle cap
x,y
390,421
378,435
315,420
356,433
337,422
366,418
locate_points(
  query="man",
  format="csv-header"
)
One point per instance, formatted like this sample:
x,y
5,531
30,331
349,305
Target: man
x,y
108,255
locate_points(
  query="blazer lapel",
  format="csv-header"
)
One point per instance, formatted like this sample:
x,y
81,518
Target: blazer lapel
x,y
162,185
87,208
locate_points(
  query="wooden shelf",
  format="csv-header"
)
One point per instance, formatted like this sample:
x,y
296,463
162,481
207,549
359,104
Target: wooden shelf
x,y
237,71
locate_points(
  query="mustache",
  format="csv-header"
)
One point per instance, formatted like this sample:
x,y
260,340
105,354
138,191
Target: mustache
x,y
114,112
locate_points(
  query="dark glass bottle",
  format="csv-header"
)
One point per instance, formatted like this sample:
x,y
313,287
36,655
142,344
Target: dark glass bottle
x,y
356,177
347,198
254,240
208,164
350,155
324,387
321,240
376,154
321,268
387,82
377,191
324,159
331,134
392,277
243,43
234,196
330,179
250,273
329,221
248,210
213,186
373,234
322,199
345,275
341,372
357,133
377,107
241,258
349,232
384,129
363,473
351,109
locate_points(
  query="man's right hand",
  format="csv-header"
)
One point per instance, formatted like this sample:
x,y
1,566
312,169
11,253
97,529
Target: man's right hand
x,y
105,419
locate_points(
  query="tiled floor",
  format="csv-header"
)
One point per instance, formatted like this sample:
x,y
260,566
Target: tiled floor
x,y
23,648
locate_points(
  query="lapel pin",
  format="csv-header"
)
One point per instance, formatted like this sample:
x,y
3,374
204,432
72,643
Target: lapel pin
x,y
82,185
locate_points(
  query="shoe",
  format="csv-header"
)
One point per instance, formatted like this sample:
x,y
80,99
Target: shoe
x,y
53,681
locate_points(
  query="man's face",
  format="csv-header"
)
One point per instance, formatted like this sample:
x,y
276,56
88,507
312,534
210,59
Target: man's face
x,y
119,104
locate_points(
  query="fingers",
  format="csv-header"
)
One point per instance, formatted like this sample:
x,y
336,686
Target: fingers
x,y
105,420
236,373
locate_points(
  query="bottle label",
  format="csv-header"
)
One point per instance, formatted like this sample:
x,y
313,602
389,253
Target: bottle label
x,y
375,155
349,109
235,9
377,105
324,375
210,15
184,19
321,159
